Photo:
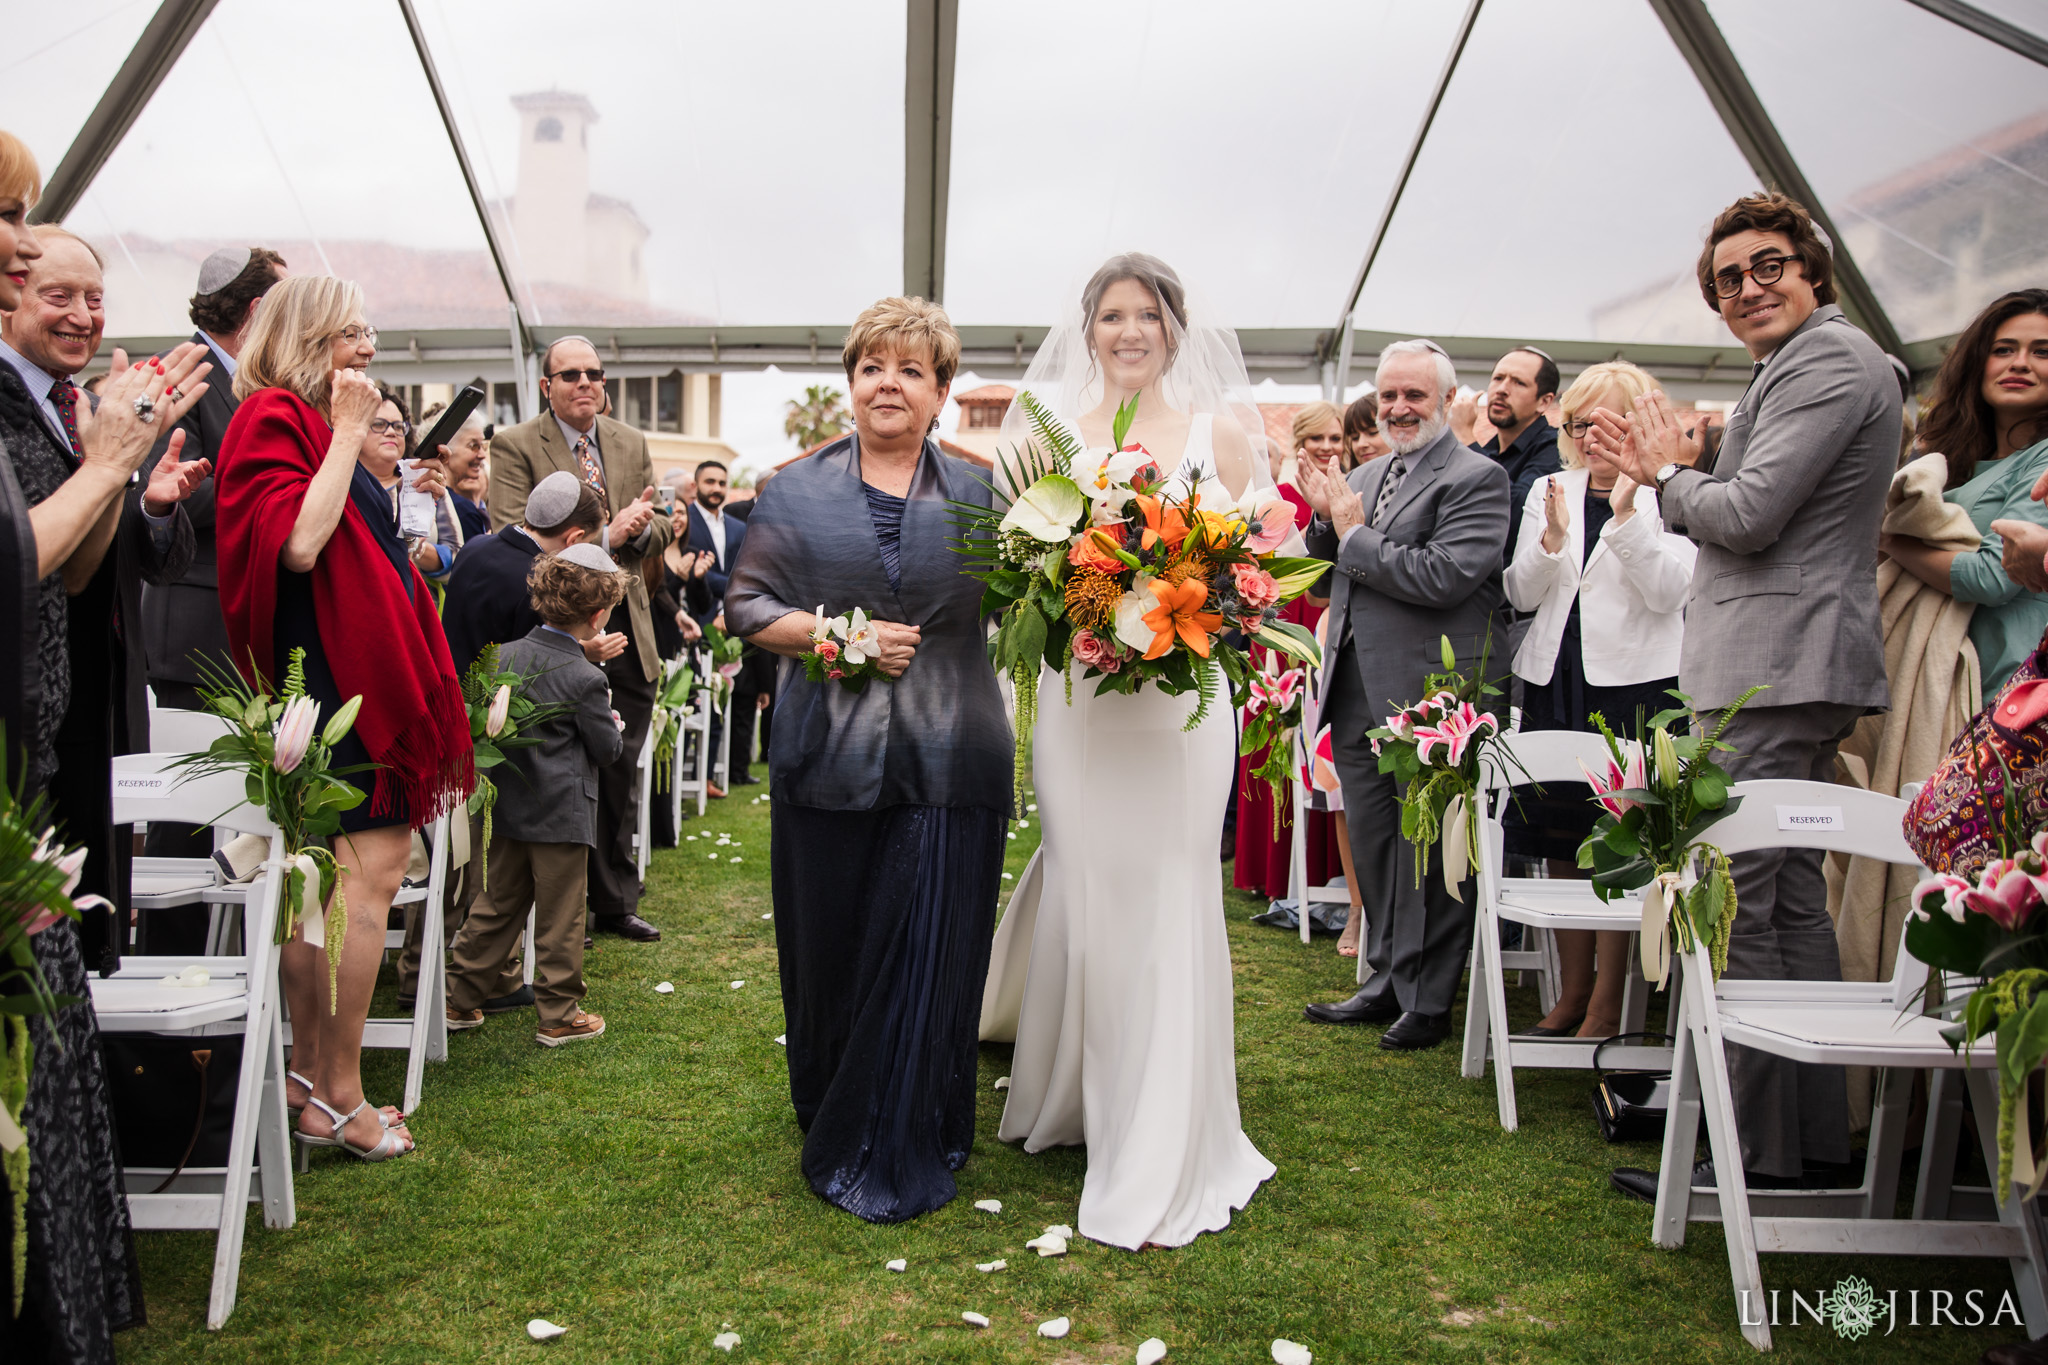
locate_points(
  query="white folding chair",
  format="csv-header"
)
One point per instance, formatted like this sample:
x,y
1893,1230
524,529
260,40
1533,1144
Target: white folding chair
x,y
1329,893
1541,906
167,883
1874,1024
240,998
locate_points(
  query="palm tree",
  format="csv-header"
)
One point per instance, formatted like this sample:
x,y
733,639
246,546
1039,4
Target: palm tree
x,y
821,416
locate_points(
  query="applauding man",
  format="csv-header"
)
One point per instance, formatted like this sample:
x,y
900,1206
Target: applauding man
x,y
1417,539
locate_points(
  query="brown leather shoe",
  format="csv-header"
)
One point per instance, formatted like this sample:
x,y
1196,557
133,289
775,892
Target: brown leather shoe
x,y
459,1020
583,1026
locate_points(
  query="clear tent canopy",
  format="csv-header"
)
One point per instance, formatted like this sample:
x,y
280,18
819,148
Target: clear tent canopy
x,y
704,187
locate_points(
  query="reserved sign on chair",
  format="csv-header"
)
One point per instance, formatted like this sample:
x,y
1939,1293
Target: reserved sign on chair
x,y
1810,817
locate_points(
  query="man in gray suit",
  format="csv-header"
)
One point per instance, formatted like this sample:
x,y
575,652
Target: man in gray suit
x,y
1785,594
1417,541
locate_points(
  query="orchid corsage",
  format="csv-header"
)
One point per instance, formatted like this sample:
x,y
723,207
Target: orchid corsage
x,y
844,649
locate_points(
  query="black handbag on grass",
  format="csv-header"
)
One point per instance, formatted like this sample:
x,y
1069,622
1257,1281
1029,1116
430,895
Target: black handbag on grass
x,y
173,1098
1630,1105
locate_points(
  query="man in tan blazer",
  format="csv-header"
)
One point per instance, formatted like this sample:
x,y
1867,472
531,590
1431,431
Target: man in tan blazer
x,y
612,458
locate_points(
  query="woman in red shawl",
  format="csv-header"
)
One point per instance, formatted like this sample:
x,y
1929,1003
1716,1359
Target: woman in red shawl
x,y
311,558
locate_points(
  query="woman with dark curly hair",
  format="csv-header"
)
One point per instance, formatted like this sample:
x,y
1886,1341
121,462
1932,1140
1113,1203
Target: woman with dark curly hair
x,y
1989,416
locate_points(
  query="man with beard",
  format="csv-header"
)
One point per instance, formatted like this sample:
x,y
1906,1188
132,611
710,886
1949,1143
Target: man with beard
x,y
1523,443
713,532
1416,538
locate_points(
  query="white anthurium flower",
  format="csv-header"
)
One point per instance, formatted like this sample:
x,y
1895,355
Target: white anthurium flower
x,y
863,641
1047,510
1131,629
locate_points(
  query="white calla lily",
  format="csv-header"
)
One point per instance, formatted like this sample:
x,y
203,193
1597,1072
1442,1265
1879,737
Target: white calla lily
x,y
1047,510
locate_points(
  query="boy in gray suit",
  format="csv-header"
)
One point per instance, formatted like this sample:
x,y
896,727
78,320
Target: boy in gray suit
x,y
545,821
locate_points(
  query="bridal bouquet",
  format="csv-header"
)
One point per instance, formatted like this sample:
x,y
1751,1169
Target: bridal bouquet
x,y
501,717
277,742
844,649
1272,713
37,877
1656,800
1101,559
1435,749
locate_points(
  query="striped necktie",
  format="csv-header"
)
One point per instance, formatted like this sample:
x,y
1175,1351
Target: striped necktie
x,y
1397,470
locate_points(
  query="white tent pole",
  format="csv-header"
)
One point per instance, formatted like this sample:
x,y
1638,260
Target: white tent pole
x,y
1379,233
164,39
934,28
1989,27
1700,41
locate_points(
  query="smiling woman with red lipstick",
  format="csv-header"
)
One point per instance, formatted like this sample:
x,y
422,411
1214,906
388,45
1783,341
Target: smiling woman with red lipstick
x,y
1989,416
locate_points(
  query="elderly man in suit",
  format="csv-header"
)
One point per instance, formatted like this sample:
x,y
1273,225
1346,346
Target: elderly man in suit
x,y
49,339
1784,594
1417,539
611,457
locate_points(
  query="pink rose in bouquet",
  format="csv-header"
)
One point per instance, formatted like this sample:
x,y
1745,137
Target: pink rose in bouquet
x,y
1255,587
1095,652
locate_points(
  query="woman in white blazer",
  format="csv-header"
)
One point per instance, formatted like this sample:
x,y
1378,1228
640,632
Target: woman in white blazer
x,y
1608,585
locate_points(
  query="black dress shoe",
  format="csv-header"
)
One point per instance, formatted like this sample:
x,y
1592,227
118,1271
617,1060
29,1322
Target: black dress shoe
x,y
521,999
1414,1031
1637,1183
1569,1030
1356,1010
746,780
628,926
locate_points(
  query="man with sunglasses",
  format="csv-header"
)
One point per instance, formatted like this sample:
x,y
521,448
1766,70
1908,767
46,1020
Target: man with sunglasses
x,y
571,435
1784,594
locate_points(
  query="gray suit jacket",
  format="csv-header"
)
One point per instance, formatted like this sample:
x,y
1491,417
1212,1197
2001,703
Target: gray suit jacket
x,y
547,794
1432,570
1785,591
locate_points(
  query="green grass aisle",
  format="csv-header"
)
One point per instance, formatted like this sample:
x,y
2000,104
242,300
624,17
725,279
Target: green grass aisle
x,y
643,1192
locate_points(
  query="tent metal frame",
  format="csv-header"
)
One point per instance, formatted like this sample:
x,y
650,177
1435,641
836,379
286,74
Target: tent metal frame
x,y
931,42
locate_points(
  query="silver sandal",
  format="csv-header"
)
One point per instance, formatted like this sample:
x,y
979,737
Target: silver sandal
x,y
389,1115
389,1144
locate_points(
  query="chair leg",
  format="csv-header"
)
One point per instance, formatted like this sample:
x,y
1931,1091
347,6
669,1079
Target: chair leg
x,y
1717,1101
528,956
1681,1139
273,1136
2029,1271
1297,858
234,1196
1477,1004
1549,974
1938,1144
1635,993
1887,1142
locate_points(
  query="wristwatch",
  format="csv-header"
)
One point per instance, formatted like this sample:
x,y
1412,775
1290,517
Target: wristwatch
x,y
1668,473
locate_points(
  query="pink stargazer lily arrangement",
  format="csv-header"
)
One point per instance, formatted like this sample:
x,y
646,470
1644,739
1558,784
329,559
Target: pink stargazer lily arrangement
x,y
1434,748
1615,779
1446,743
1272,716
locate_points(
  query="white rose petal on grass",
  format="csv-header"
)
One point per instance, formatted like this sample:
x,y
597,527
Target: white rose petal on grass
x,y
665,988
1055,1329
1032,807
1059,1230
1008,878
1287,1352
899,1265
989,1205
725,1341
737,984
974,1319
1048,1245
1002,1082
691,837
540,1329
733,860
712,856
990,1267
1151,1351
1009,836
783,1039
769,915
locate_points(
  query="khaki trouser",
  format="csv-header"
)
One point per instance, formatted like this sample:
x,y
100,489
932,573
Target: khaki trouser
x,y
550,880
455,909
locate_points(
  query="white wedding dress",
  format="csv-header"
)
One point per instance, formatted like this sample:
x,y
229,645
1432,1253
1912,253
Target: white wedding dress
x,y
1111,968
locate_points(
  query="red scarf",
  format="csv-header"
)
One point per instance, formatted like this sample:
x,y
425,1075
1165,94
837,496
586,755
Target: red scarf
x,y
380,643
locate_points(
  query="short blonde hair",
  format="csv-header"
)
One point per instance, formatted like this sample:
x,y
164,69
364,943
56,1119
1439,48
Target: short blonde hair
x,y
19,176
1313,416
289,345
905,327
1598,386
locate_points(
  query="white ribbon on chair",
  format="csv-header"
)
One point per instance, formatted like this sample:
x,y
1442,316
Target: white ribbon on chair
x,y
312,912
1656,927
1457,863
458,837
11,1136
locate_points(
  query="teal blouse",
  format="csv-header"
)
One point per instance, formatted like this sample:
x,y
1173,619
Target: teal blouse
x,y
2009,620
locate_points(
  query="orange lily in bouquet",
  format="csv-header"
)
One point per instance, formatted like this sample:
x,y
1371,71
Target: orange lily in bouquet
x,y
1096,558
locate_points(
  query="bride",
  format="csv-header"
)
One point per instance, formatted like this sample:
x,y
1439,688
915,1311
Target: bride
x,y
1111,969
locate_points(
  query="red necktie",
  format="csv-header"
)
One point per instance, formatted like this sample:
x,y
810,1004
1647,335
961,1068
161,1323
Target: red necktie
x,y
64,395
